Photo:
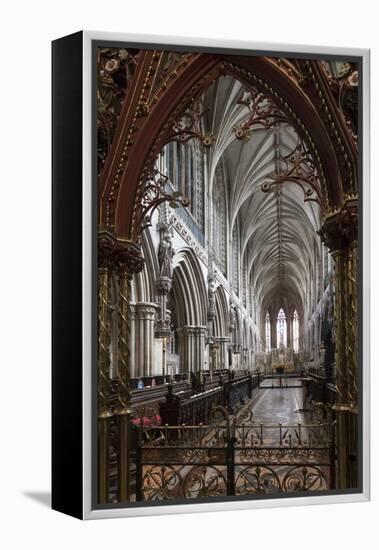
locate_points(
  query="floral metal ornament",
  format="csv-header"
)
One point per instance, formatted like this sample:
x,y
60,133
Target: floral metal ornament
x,y
189,125
262,112
155,192
297,167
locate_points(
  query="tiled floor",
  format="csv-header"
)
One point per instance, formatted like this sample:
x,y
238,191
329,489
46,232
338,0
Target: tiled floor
x,y
279,404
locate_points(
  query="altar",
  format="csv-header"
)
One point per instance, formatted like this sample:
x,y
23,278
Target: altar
x,y
283,368
282,361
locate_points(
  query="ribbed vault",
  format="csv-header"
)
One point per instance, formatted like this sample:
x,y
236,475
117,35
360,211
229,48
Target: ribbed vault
x,y
278,239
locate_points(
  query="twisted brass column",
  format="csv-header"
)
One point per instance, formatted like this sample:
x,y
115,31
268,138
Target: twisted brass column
x,y
351,320
104,412
129,261
352,361
123,410
340,320
342,374
339,233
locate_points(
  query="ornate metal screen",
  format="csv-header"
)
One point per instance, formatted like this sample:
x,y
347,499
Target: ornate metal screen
x,y
234,457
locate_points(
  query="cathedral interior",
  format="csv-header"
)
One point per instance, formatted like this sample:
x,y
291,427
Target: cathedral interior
x,y
227,275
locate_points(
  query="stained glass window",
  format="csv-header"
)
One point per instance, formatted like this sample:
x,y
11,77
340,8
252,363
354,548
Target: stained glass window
x,y
268,332
281,330
295,327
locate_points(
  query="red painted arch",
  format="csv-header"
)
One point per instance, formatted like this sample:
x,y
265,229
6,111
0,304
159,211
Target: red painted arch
x,y
196,71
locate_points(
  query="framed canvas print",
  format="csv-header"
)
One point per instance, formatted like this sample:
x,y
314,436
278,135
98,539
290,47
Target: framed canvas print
x,y
210,275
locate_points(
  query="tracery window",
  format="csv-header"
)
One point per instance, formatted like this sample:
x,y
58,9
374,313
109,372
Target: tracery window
x,y
295,331
170,156
268,331
185,171
281,329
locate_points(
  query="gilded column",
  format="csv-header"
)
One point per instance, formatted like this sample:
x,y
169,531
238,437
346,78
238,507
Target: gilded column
x,y
340,310
129,261
104,412
339,233
352,319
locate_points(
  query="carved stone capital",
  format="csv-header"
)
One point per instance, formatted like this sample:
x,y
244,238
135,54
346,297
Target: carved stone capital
x,y
162,328
223,339
341,228
195,330
163,285
146,310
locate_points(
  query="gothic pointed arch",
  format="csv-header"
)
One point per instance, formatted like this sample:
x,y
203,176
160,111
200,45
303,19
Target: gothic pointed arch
x,y
222,314
189,289
143,284
296,95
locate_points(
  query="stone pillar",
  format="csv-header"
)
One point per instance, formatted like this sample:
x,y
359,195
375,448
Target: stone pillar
x,y
223,342
193,347
245,358
145,318
339,233
252,359
213,351
166,253
132,324
162,327
232,324
183,367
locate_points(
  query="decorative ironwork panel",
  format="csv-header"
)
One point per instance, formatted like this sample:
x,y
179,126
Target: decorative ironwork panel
x,y
283,435
234,456
285,479
172,482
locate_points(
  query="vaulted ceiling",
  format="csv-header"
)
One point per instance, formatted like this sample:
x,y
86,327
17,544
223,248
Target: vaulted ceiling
x,y
278,228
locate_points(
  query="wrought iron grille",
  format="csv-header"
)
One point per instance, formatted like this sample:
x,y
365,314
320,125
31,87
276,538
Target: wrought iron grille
x,y
233,457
